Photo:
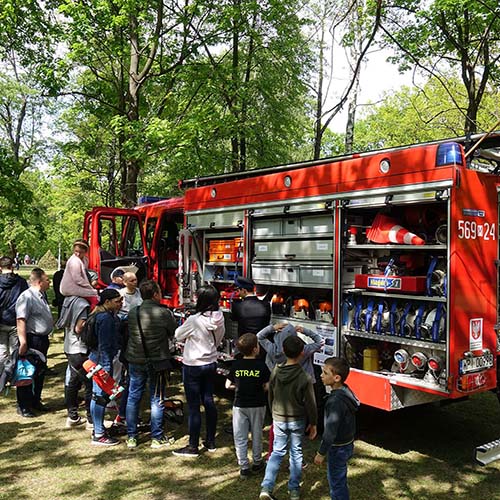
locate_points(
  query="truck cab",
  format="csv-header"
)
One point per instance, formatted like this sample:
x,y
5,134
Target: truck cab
x,y
143,239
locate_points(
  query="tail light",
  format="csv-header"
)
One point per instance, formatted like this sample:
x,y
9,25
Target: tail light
x,y
401,357
435,364
419,360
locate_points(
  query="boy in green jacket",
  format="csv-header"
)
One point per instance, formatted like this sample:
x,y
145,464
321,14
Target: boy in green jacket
x,y
291,398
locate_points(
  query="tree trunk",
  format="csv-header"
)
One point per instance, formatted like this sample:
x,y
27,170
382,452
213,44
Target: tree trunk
x,y
244,102
355,51
318,129
351,120
470,126
234,104
132,166
129,194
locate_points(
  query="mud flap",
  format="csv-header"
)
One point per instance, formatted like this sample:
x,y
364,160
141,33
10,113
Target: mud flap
x,y
488,452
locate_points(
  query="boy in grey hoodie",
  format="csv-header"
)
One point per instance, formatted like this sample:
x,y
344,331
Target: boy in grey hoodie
x,y
274,348
291,398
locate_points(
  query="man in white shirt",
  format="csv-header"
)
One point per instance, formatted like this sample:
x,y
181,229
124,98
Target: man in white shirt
x,y
131,298
34,324
130,293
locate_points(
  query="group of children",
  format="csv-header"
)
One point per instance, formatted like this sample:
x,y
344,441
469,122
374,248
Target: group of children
x,y
287,377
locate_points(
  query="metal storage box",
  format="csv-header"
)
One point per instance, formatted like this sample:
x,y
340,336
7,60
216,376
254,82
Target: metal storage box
x,y
266,273
267,228
298,249
291,226
290,274
231,218
316,275
316,225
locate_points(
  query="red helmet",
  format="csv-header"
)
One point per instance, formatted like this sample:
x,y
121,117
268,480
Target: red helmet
x,y
300,304
325,306
277,299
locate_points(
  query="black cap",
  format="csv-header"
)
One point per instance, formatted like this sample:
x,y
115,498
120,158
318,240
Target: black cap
x,y
245,283
117,273
108,294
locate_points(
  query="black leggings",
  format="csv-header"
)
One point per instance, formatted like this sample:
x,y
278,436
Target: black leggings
x,y
75,382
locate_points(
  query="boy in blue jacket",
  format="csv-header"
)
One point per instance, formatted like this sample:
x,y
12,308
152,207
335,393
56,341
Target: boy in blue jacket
x,y
340,427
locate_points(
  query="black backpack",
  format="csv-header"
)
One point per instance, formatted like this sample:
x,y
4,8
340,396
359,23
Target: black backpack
x,y
88,334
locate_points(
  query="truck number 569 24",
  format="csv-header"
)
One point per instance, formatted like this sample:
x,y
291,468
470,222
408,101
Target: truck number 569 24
x,y
471,230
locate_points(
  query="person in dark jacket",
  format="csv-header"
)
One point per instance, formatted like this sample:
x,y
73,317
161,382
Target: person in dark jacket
x,y
56,285
340,427
11,286
252,314
144,351
116,279
106,330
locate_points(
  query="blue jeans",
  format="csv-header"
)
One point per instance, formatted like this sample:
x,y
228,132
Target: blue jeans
x,y
284,432
99,397
337,458
124,382
139,375
199,388
97,410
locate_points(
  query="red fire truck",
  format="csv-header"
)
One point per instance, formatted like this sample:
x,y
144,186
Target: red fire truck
x,y
391,255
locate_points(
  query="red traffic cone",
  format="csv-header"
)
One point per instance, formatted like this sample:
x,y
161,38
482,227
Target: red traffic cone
x,y
386,230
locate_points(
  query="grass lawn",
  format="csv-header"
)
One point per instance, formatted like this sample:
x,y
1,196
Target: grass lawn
x,y
417,453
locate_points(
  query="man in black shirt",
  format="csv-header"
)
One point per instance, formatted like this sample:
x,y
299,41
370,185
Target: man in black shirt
x,y
249,376
56,285
252,314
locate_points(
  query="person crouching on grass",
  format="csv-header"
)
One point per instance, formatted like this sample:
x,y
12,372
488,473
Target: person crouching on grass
x,y
249,376
340,427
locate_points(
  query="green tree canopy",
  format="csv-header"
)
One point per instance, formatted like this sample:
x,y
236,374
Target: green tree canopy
x,y
414,115
444,36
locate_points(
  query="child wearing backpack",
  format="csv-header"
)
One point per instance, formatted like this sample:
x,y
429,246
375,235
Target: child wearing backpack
x,y
340,427
74,320
250,377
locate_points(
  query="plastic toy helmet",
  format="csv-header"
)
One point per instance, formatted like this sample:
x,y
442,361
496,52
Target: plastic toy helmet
x,y
325,306
300,304
278,299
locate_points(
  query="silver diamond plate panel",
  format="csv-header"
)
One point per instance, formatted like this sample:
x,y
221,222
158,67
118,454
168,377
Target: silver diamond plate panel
x,y
402,397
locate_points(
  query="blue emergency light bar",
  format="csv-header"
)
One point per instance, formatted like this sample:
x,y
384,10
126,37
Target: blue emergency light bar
x,y
449,153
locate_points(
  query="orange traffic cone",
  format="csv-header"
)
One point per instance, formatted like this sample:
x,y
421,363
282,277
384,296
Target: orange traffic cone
x,y
386,230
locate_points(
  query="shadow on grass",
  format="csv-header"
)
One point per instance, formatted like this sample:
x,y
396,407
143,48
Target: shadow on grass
x,y
448,432
419,453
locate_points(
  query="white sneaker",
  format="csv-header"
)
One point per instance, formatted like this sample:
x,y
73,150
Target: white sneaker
x,y
74,422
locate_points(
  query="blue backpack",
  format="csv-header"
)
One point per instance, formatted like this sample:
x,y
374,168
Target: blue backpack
x,y
25,371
